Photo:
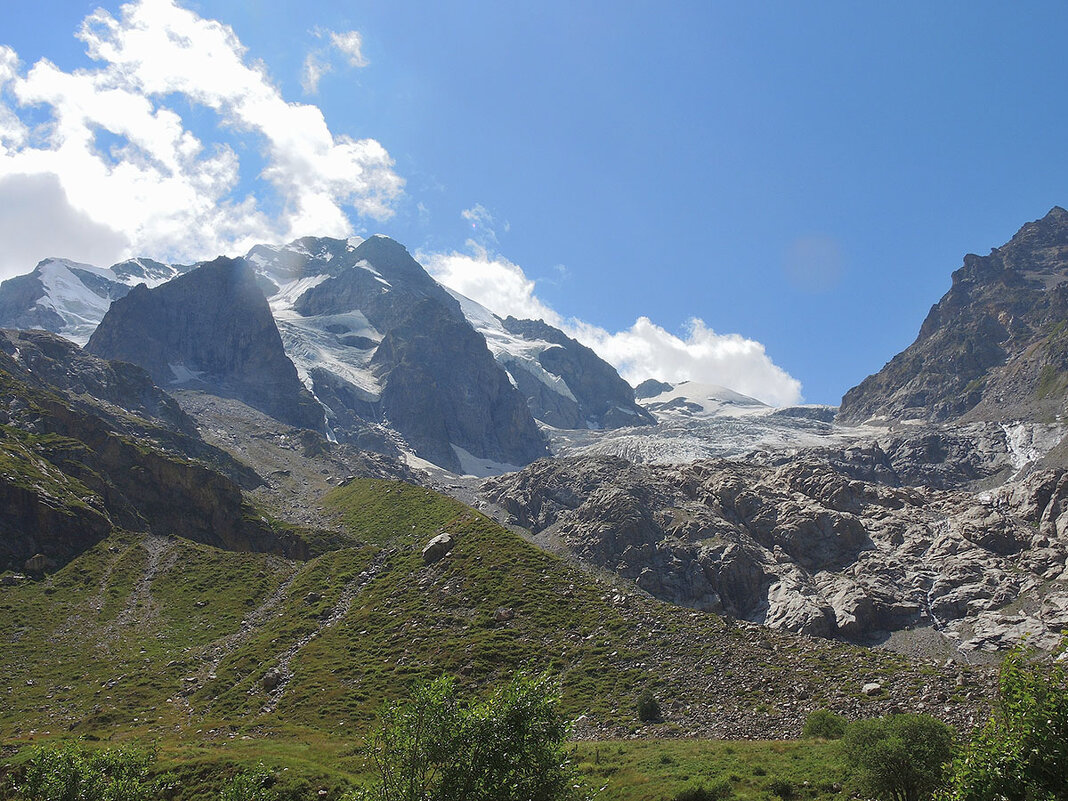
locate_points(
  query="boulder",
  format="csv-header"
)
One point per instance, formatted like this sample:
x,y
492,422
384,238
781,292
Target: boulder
x,y
438,548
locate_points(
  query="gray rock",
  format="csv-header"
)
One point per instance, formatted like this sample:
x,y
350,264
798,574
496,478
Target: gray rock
x,y
271,680
438,548
805,545
992,347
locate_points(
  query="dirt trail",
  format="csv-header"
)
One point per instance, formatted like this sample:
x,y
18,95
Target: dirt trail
x,y
344,604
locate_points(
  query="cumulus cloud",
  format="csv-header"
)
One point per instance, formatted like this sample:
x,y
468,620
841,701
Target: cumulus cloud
x,y
492,280
645,350
116,157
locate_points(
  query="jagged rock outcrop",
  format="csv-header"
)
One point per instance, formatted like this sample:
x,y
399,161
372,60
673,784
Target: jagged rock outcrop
x,y
596,396
442,388
210,328
425,372
995,347
55,363
853,543
69,474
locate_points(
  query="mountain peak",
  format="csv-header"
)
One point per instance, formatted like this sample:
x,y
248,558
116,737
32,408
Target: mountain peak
x,y
990,347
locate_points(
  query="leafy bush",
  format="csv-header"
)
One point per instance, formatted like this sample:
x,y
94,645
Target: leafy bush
x,y
249,786
1022,753
719,790
648,707
69,773
824,724
510,747
900,757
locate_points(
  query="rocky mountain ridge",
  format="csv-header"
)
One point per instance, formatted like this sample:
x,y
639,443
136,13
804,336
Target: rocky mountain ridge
x,y
995,347
445,399
77,467
210,328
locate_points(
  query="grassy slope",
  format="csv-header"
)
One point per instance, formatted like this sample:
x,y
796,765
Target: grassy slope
x,y
165,639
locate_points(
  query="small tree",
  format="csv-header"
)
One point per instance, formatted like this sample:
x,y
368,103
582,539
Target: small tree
x,y
511,747
823,723
900,757
1022,753
648,707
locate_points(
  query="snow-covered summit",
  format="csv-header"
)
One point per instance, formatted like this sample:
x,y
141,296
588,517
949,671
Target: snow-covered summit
x,y
696,399
70,298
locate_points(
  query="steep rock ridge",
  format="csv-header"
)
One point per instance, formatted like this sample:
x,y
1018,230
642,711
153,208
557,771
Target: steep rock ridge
x,y
995,347
599,397
566,385
386,347
800,542
210,328
69,477
442,389
55,363
69,298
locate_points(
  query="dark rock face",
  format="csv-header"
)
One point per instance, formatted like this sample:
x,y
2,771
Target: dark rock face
x,y
995,347
650,388
441,386
439,383
57,363
385,293
601,398
75,466
212,325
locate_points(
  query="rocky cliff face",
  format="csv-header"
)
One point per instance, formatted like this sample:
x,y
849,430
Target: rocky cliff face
x,y
210,328
596,396
853,543
75,467
396,352
995,347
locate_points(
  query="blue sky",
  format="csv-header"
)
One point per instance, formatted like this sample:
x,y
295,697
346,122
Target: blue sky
x,y
800,178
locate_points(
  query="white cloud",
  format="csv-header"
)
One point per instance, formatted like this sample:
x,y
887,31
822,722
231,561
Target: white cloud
x,y
645,350
350,43
317,63
493,281
117,158
314,70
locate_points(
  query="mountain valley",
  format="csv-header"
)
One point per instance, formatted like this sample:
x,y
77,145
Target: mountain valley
x,y
226,489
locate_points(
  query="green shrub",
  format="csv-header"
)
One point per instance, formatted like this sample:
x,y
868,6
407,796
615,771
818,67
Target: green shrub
x,y
1022,753
648,707
719,790
781,789
511,747
70,773
899,757
825,725
249,786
